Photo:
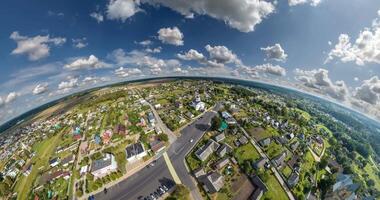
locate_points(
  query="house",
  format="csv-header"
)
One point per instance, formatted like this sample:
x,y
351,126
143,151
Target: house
x,y
223,150
135,152
157,106
151,118
243,140
97,139
120,129
67,160
294,146
221,163
83,147
157,130
279,160
231,121
106,136
27,169
206,150
212,182
344,188
290,136
157,145
260,188
189,115
220,137
223,126
260,163
197,104
265,142
293,179
49,177
226,115
104,166
199,172
54,162
83,170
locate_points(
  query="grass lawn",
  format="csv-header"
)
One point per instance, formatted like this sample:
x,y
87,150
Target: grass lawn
x,y
321,126
43,150
193,162
304,114
275,190
274,149
261,133
246,152
286,171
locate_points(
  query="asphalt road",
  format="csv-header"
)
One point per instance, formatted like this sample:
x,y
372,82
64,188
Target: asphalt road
x,y
140,184
147,180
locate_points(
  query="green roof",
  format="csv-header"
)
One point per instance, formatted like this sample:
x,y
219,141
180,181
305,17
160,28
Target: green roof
x,y
223,126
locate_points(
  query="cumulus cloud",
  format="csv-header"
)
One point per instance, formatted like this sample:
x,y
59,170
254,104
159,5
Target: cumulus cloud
x,y
242,15
141,60
79,43
369,91
1,102
319,80
65,86
11,97
271,69
171,36
124,72
192,55
299,2
35,47
275,52
40,88
365,49
92,62
93,80
221,54
97,16
122,9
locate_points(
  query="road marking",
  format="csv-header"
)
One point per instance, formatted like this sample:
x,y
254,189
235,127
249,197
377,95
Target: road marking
x,y
171,169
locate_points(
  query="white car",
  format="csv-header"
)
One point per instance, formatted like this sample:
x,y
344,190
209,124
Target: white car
x,y
191,140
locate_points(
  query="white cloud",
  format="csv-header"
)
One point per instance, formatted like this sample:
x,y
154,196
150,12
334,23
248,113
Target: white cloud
x,y
124,72
299,2
271,69
154,50
93,80
146,42
80,43
369,91
243,15
192,55
171,36
356,79
275,53
35,47
65,86
365,49
319,80
221,54
92,62
11,97
122,9
97,16
141,60
40,88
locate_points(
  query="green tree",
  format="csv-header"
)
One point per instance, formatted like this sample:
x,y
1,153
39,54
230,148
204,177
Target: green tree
x,y
163,137
181,192
215,123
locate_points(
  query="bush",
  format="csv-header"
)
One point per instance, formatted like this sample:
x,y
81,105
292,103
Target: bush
x,y
163,137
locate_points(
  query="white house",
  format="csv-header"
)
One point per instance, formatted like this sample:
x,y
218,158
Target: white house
x,y
104,166
135,152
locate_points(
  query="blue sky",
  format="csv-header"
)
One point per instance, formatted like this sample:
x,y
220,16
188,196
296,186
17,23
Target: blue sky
x,y
50,49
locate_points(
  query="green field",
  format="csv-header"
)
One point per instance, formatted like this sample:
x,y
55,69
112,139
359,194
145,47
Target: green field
x,y
275,190
44,150
246,152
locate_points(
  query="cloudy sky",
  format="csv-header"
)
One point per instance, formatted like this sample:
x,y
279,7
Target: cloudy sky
x,y
50,49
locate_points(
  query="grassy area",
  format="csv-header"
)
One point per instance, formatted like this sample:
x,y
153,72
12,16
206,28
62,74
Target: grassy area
x,y
246,152
260,133
274,149
304,114
286,171
44,150
275,190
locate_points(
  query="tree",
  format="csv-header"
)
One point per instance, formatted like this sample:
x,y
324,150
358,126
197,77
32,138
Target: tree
x,y
181,192
163,137
216,122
